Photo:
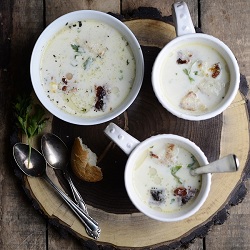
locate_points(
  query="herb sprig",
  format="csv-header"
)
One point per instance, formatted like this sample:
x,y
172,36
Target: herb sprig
x,y
30,118
188,72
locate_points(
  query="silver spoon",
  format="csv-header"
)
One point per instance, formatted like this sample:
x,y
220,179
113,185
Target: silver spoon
x,y
56,154
36,167
229,163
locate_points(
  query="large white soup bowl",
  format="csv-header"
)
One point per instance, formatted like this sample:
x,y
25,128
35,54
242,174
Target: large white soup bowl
x,y
52,30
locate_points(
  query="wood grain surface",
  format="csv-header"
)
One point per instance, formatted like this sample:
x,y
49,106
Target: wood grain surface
x,y
21,23
107,200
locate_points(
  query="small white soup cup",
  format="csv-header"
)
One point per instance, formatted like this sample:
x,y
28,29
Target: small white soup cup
x,y
186,35
51,30
135,149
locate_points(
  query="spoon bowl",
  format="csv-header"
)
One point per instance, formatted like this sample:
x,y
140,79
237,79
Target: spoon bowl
x,y
29,167
55,151
57,156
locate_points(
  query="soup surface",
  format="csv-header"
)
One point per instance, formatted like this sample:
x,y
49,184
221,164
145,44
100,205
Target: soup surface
x,y
87,68
162,177
194,78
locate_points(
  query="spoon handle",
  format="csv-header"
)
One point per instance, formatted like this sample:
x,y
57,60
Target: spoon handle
x,y
91,225
76,194
229,163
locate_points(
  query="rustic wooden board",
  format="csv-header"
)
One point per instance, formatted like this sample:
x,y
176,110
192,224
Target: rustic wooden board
x,y
122,225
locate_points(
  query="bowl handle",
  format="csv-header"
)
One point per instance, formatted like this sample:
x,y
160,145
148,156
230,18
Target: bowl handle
x,y
124,140
182,19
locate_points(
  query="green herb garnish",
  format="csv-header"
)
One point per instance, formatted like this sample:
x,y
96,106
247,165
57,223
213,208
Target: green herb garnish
x,y
172,200
188,74
29,118
174,170
87,63
191,165
75,47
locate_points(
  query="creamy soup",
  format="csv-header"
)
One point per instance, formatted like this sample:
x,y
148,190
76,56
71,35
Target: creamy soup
x,y
194,78
88,68
162,177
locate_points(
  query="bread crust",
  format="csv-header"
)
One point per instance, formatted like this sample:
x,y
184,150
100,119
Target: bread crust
x,y
80,162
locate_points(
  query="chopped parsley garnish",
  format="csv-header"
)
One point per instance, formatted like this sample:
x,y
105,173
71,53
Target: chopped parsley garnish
x,y
190,165
188,74
75,47
172,200
174,170
87,63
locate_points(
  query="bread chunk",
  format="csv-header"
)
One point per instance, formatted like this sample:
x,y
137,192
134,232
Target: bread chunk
x,y
83,162
191,102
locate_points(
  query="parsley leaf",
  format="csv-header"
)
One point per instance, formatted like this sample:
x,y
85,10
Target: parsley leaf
x,y
174,170
87,63
75,47
29,118
186,71
188,74
192,165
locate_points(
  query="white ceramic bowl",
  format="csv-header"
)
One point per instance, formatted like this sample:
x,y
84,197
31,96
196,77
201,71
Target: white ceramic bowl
x,y
51,30
185,211
135,149
209,41
185,36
